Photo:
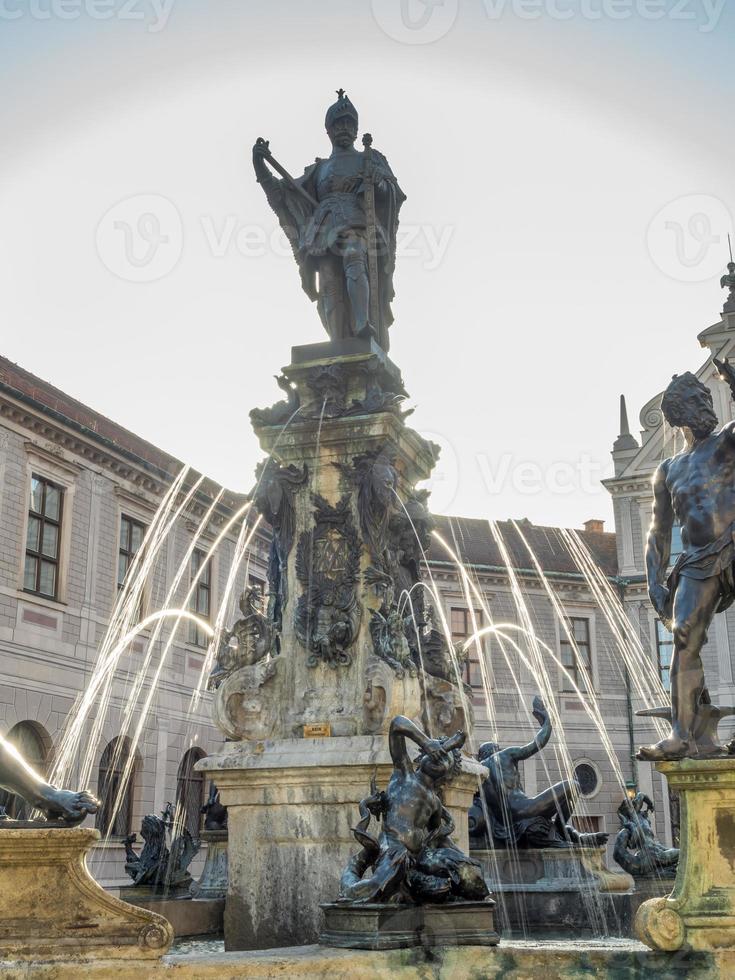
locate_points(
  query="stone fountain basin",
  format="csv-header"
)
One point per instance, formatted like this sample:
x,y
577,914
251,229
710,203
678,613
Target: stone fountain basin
x,y
518,959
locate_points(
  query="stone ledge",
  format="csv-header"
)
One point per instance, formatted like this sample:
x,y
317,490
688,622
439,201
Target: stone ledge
x,y
519,960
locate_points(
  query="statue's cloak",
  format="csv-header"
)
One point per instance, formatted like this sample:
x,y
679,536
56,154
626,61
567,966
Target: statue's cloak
x,y
308,229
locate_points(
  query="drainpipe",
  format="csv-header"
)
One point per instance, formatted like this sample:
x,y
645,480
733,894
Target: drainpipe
x,y
621,584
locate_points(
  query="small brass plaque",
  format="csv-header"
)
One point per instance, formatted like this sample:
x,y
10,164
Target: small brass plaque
x,y
323,730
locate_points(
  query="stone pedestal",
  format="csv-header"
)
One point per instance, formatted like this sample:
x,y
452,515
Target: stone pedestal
x,y
51,908
551,869
700,911
388,926
291,806
213,880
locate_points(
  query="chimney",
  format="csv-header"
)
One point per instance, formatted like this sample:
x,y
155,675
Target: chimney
x,y
595,526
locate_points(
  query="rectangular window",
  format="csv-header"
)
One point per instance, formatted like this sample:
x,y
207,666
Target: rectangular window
x,y
43,539
576,660
462,627
131,537
676,543
664,648
201,598
587,824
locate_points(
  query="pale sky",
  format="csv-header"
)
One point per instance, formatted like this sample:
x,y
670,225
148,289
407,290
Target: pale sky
x,y
569,183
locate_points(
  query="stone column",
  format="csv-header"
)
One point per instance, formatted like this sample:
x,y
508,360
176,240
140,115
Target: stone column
x,y
700,912
335,653
291,807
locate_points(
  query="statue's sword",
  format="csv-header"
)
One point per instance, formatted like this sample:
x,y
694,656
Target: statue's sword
x,y
285,174
376,320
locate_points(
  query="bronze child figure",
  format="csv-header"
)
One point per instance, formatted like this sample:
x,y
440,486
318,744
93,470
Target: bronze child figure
x,y
414,859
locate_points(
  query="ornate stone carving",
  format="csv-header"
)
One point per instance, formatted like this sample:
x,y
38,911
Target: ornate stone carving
x,y
380,395
245,703
327,566
375,477
387,631
446,705
273,497
328,385
254,639
281,412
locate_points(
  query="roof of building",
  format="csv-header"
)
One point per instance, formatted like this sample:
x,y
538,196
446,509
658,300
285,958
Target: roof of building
x,y
471,538
35,392
473,541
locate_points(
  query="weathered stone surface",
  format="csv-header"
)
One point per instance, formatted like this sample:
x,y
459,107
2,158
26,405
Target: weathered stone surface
x,y
291,805
516,960
551,869
700,912
52,908
213,880
188,916
391,926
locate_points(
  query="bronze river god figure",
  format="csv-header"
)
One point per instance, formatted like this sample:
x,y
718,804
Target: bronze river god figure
x,y
696,489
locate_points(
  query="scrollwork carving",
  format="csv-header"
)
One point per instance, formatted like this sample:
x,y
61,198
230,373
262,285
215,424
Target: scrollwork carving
x,y
328,613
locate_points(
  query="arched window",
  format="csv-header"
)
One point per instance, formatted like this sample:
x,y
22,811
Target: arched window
x,y
190,792
115,814
34,744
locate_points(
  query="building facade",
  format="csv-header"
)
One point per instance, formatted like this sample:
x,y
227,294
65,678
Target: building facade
x,y
78,495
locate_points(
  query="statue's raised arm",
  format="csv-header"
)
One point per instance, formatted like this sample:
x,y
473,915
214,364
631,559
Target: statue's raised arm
x,y
402,728
541,714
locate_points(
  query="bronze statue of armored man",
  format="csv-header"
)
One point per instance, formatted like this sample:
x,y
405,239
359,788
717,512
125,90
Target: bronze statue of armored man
x,y
341,219
695,488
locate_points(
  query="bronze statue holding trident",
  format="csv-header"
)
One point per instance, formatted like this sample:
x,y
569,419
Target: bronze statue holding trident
x,y
696,488
341,218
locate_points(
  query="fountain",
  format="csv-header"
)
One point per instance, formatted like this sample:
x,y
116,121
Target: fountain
x,y
423,890
541,869
309,692
318,691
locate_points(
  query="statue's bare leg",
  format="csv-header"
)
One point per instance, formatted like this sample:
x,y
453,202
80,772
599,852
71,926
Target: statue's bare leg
x,y
695,603
16,776
388,876
558,799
